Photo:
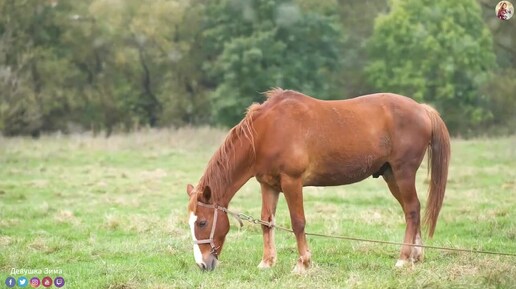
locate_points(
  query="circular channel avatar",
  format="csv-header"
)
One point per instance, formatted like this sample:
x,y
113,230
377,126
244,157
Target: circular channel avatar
x,y
504,10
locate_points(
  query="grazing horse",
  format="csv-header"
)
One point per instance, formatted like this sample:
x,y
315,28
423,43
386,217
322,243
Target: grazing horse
x,y
293,140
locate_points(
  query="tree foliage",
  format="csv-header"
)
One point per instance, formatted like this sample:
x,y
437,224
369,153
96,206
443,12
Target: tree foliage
x,y
255,45
435,51
98,63
105,65
34,74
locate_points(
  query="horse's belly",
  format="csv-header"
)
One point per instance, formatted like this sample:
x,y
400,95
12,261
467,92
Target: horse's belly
x,y
334,179
334,173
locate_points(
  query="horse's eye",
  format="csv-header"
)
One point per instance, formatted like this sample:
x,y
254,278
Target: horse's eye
x,y
202,224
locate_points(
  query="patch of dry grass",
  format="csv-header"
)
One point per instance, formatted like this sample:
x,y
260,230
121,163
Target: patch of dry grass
x,y
67,217
112,222
5,241
40,244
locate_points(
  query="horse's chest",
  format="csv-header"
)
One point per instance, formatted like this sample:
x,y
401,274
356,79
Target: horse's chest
x,y
272,181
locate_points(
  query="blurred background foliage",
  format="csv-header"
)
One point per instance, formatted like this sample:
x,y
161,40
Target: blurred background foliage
x,y
119,65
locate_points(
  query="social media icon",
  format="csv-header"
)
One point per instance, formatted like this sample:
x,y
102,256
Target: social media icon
x,y
46,282
23,282
59,282
10,282
34,282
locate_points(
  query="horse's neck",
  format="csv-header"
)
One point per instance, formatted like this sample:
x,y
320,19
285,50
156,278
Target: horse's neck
x,y
238,172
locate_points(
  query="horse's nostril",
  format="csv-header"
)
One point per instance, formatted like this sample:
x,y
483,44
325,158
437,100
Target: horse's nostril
x,y
202,266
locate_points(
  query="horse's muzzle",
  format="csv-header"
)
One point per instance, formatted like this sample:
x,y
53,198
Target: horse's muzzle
x,y
209,263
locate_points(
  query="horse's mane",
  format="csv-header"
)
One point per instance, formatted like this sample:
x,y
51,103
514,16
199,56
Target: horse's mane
x,y
278,93
273,92
217,173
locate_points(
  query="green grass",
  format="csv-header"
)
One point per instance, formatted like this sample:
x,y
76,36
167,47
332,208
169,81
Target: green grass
x,y
111,213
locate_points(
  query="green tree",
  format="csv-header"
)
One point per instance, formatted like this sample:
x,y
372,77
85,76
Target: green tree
x,y
101,64
502,102
437,51
359,16
501,86
36,78
254,45
133,56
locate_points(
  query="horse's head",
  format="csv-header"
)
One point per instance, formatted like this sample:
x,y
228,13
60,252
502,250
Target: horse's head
x,y
209,226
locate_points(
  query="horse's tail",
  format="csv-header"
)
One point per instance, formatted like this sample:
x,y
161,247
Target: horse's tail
x,y
438,161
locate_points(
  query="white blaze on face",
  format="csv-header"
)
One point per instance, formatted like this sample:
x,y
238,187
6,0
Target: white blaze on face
x,y
196,249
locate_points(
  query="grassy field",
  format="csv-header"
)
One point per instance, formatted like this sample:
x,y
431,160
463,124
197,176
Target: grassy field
x,y
111,213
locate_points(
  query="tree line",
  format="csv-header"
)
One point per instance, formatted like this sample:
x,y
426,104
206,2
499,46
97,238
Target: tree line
x,y
107,65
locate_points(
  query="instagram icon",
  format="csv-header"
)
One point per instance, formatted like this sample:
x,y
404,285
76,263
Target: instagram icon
x,y
34,282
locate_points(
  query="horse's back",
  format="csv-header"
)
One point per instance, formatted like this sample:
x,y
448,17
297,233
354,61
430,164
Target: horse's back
x,y
365,117
336,142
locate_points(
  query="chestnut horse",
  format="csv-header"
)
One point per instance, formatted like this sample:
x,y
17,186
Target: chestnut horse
x,y
293,140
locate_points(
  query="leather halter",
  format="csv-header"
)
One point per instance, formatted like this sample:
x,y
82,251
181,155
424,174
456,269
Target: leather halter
x,y
215,215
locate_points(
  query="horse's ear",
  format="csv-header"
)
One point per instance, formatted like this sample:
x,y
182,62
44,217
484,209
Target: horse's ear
x,y
189,189
206,194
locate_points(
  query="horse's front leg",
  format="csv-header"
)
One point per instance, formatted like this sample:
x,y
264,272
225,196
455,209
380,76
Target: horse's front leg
x,y
293,190
269,202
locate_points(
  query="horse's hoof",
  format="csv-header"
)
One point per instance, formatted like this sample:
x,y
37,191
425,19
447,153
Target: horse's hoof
x,y
302,264
300,269
401,263
417,255
264,265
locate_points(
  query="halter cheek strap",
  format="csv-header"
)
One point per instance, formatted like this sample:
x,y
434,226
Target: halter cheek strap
x,y
216,208
210,240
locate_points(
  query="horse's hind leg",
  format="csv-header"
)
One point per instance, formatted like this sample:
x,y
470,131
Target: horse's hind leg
x,y
401,182
269,202
293,190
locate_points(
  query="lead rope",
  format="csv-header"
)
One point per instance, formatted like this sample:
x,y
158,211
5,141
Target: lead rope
x,y
250,219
